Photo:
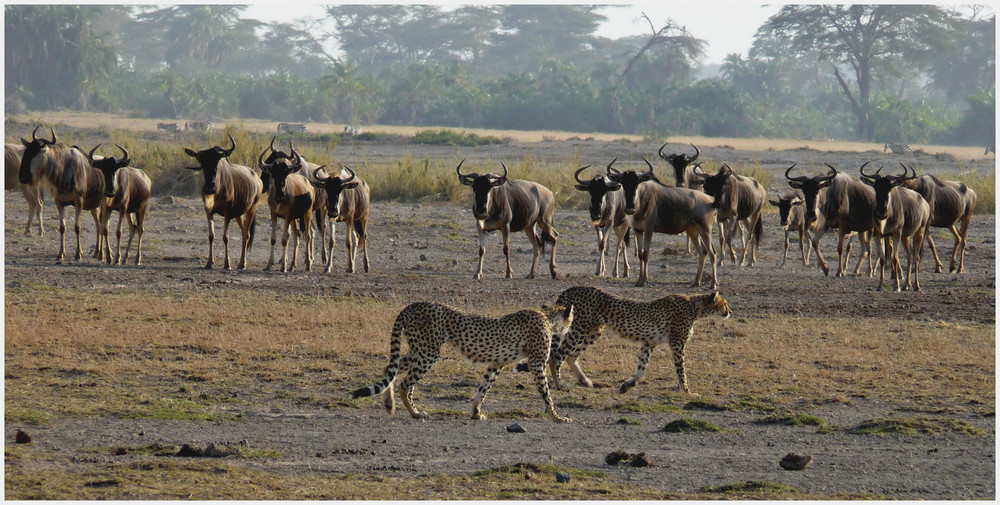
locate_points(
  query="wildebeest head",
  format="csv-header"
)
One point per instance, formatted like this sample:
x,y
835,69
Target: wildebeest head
x,y
680,163
334,187
630,181
109,167
883,184
598,187
481,188
208,163
784,203
278,169
31,150
714,184
810,187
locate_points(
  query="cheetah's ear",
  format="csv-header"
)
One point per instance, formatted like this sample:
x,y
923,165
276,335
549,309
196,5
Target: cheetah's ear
x,y
568,313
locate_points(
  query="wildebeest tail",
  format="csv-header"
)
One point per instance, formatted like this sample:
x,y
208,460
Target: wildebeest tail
x,y
628,233
758,230
392,369
359,228
253,230
302,224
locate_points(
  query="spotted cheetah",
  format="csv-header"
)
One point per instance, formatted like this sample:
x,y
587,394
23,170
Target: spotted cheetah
x,y
494,341
668,319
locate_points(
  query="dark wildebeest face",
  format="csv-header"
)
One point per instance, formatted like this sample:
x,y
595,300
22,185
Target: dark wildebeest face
x,y
784,203
810,187
31,150
883,184
208,163
715,184
481,188
630,182
598,188
680,163
109,167
334,187
279,171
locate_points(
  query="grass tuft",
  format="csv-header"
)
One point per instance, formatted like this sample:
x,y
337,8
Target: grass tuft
x,y
790,419
751,487
691,425
915,425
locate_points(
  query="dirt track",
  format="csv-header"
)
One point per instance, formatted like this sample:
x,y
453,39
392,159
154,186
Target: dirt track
x,y
426,251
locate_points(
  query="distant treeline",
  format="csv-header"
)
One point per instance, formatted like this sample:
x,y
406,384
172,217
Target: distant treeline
x,y
925,74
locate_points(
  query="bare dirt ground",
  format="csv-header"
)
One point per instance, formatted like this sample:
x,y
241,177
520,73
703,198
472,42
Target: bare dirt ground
x,y
426,251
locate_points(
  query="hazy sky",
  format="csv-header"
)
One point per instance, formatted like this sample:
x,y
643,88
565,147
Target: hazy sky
x,y
727,26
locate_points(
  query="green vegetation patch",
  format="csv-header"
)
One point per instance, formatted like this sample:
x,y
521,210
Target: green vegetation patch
x,y
690,425
706,405
792,419
645,408
751,487
915,425
25,416
452,138
539,468
629,421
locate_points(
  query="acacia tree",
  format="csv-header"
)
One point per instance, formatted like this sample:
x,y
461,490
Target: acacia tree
x,y
867,39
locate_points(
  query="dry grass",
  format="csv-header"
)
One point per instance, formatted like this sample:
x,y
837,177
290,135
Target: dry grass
x,y
112,121
118,354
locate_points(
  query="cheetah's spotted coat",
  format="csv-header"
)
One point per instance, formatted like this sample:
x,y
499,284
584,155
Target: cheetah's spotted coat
x,y
496,342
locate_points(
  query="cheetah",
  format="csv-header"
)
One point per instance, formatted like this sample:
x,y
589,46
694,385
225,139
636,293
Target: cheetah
x,y
493,341
668,319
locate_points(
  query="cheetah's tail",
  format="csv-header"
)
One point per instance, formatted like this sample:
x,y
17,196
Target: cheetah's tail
x,y
393,367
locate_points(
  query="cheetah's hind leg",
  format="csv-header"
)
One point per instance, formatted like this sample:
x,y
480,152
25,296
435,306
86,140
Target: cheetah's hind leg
x,y
543,388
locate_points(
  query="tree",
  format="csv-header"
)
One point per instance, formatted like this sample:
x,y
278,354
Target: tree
x,y
866,39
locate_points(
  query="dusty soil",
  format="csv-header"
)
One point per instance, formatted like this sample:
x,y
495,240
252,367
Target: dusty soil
x,y
426,251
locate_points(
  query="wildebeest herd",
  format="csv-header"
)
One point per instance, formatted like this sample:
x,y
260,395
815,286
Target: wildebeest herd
x,y
895,208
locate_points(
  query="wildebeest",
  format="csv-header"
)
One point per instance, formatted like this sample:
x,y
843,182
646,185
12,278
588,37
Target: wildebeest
x,y
290,197
684,169
71,180
847,205
511,205
900,213
32,192
348,201
655,207
952,204
127,190
607,212
231,191
792,217
736,199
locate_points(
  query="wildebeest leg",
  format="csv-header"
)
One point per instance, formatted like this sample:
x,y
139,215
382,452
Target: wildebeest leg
x,y
333,241
842,241
101,242
352,245
645,240
122,215
140,228
211,241
102,231
76,228
883,245
310,237
918,246
640,367
482,249
505,235
602,245
361,226
133,226
274,240
32,195
820,230
287,223
805,244
703,239
60,208
225,241
484,387
959,254
897,271
930,241
620,249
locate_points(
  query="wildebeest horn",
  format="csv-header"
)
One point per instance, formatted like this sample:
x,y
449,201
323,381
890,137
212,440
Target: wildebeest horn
x,y
260,161
458,170
351,178
229,151
650,165
90,155
864,175
576,175
504,176
316,173
799,178
725,166
660,152
697,153
124,160
833,172
608,168
911,169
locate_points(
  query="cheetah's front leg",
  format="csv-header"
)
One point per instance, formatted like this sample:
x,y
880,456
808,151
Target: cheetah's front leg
x,y
640,368
484,387
677,341
538,368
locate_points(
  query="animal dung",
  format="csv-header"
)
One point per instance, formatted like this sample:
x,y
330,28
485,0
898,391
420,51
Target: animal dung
x,y
22,437
635,460
562,478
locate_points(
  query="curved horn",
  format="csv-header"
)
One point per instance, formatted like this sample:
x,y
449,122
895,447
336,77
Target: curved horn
x,y
33,137
576,175
911,169
863,174
316,173
727,168
697,152
260,161
504,176
458,169
799,178
90,155
660,152
124,160
50,142
608,168
351,178
231,149
833,172
650,165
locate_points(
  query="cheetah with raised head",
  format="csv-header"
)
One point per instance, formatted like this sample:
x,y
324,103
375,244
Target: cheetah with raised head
x,y
668,319
495,342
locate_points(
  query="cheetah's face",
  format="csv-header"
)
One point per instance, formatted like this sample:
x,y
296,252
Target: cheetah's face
x,y
561,318
717,305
